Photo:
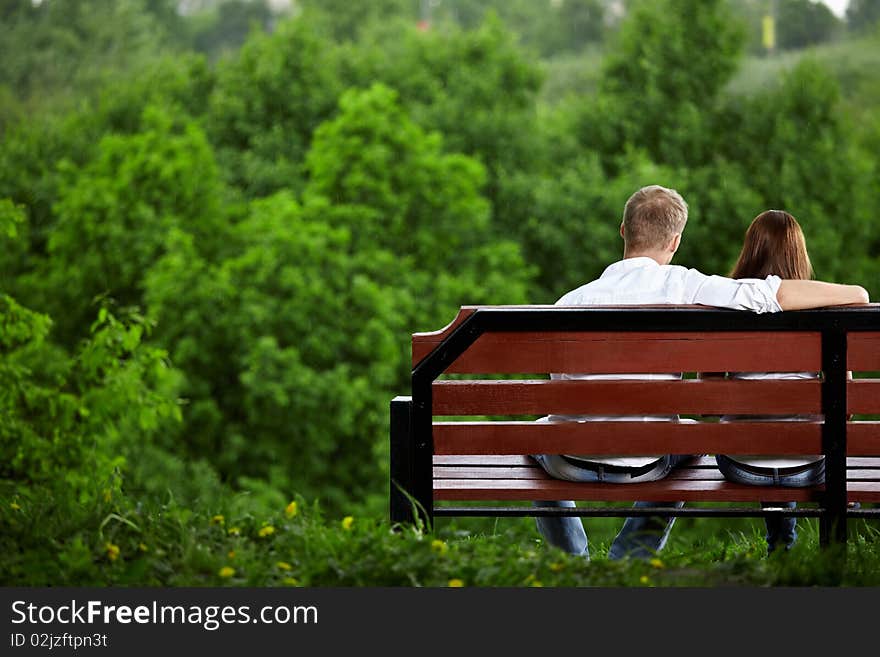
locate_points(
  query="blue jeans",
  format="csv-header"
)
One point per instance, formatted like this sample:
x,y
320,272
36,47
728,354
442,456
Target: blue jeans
x,y
639,538
780,529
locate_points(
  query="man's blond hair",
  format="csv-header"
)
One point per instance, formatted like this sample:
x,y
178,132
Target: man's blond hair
x,y
653,216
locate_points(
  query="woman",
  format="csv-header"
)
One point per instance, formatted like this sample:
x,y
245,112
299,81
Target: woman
x,y
774,244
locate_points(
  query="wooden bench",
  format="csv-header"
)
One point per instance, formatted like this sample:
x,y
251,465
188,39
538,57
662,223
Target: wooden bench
x,y
457,441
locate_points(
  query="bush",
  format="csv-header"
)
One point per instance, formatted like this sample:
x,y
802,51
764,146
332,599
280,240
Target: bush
x,y
64,420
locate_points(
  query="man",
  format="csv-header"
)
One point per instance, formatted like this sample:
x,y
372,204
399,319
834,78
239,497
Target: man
x,y
653,221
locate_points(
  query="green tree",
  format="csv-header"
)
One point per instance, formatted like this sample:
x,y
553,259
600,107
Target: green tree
x,y
414,198
547,27
477,88
862,15
804,22
51,48
226,27
579,23
801,154
289,350
114,213
722,201
655,94
293,341
347,20
63,419
34,147
392,185
267,102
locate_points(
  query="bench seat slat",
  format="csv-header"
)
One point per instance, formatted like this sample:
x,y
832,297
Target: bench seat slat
x,y
863,491
865,463
663,490
862,462
464,472
691,474
865,474
542,397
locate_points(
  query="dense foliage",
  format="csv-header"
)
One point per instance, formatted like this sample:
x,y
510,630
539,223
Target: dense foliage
x,y
211,262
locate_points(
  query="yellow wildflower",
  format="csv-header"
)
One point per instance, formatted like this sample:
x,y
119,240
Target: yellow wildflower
x,y
234,531
226,571
266,530
439,546
644,579
112,551
456,583
143,547
556,566
347,522
656,563
218,520
14,506
231,554
291,581
283,565
291,510
536,583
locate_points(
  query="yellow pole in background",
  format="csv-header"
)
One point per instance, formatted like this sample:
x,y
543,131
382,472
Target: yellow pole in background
x,y
768,27
768,38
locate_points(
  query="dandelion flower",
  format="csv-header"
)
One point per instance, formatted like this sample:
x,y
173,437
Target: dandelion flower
x,y
656,563
439,546
112,551
226,572
283,565
291,581
347,522
290,511
266,530
644,579
456,583
14,506
234,531
218,520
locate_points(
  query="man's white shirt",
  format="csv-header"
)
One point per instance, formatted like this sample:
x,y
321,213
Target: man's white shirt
x,y
643,281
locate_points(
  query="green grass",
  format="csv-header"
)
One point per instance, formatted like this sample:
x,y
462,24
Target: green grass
x,y
48,541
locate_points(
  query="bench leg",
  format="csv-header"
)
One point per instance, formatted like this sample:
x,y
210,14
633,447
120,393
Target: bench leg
x,y
401,460
832,529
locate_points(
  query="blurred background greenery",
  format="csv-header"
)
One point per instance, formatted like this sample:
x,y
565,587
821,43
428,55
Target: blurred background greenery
x,y
221,220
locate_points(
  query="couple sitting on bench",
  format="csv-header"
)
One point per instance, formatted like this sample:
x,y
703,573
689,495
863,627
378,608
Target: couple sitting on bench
x,y
773,274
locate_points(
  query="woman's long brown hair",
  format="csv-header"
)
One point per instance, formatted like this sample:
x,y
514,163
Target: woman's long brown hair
x,y
774,244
